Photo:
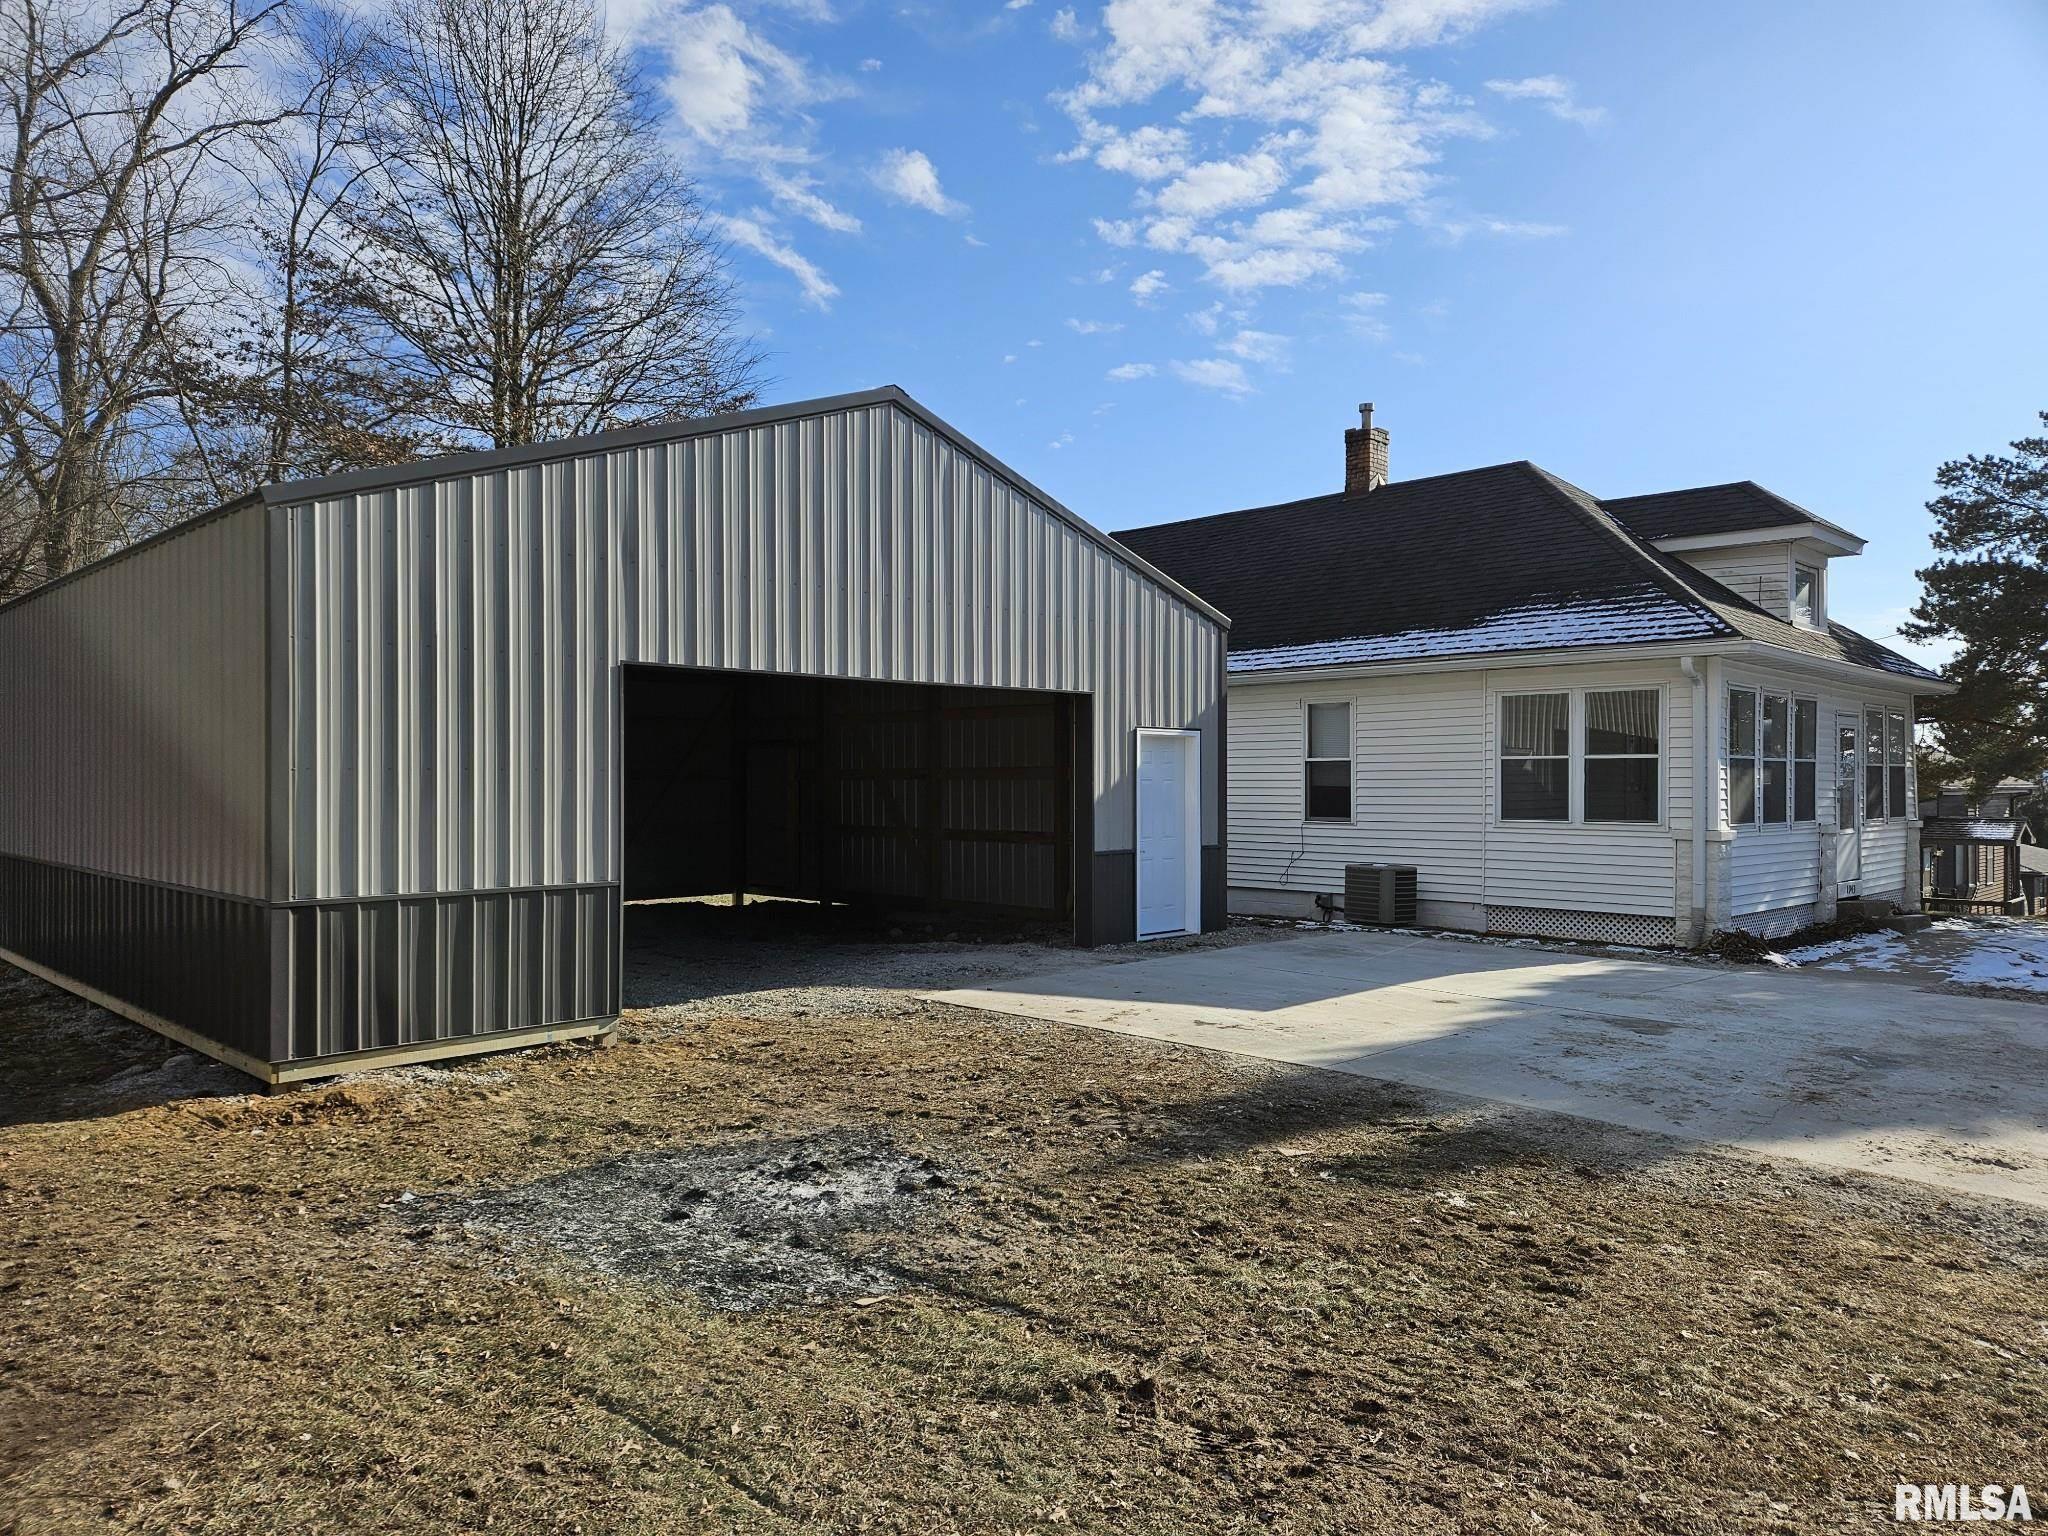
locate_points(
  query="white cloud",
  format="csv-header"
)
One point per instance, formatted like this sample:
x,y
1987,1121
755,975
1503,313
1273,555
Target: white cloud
x,y
1065,28
818,289
1456,226
1364,312
1257,346
1034,342
1271,269
1151,153
722,78
1420,23
1124,373
1094,327
1147,286
1218,185
909,176
1340,136
1015,5
1219,373
1555,94
797,193
869,66
1207,320
974,240
1061,441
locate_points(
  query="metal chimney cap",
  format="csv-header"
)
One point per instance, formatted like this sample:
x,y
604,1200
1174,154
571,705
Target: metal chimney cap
x,y
1365,414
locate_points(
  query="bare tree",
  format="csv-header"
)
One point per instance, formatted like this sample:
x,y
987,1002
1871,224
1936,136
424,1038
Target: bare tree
x,y
113,115
537,262
290,390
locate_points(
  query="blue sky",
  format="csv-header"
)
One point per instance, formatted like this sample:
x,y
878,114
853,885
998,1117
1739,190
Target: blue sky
x,y
1153,254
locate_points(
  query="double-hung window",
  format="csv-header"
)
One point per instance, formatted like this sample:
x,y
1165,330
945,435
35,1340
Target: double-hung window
x,y
1621,754
1773,747
1535,757
1897,755
1887,754
1326,765
1742,757
1777,757
1805,759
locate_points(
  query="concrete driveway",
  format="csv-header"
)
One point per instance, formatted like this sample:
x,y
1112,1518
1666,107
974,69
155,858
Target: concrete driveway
x,y
1871,1075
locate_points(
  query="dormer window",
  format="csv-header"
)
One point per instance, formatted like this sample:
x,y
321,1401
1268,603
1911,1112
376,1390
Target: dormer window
x,y
1806,596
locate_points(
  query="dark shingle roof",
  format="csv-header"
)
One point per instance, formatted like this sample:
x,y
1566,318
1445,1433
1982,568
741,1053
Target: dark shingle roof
x,y
1738,507
1964,829
1484,561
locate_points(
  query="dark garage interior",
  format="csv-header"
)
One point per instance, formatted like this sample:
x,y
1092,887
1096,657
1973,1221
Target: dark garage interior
x,y
892,798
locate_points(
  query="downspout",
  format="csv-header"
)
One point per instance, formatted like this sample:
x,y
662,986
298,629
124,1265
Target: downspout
x,y
1703,794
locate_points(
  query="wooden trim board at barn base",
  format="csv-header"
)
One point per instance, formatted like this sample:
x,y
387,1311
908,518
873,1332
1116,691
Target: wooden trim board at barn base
x,y
287,1074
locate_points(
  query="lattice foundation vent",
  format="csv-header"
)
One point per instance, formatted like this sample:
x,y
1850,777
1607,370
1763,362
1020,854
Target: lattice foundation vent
x,y
1586,927
1776,924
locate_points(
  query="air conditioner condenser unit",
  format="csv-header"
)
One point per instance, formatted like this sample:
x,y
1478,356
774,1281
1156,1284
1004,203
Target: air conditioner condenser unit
x,y
1382,894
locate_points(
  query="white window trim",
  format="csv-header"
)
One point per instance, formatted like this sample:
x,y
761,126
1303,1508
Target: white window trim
x,y
1350,704
1575,757
1890,814
1791,760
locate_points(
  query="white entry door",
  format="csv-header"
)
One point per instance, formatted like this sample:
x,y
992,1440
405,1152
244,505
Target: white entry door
x,y
1169,833
1848,805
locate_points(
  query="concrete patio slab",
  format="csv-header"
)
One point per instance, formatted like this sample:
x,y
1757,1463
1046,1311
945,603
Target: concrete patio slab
x,y
1948,1089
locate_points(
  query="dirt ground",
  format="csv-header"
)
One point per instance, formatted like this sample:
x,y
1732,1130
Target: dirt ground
x,y
804,1254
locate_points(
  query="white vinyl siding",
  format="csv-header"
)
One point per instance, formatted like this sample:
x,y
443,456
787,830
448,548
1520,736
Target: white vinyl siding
x,y
1777,865
1426,766
1760,572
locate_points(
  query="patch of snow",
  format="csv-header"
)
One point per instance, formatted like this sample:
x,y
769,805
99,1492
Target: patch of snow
x,y
1643,616
1983,952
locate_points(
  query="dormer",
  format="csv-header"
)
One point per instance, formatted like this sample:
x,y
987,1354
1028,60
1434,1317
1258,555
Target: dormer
x,y
1755,543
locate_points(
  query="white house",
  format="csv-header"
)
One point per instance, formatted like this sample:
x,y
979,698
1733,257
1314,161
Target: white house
x,y
1628,720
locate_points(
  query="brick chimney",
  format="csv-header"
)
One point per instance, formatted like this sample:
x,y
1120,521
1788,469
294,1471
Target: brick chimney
x,y
1365,455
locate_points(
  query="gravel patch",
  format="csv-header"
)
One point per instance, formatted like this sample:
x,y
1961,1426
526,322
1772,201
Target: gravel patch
x,y
759,1224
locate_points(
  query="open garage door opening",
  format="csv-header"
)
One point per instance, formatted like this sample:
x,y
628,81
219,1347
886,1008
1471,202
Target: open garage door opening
x,y
881,801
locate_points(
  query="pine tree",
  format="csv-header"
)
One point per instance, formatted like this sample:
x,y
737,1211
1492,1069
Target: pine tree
x,y
1989,593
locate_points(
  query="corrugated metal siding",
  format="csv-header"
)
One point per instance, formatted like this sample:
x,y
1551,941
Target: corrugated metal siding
x,y
454,642
195,958
372,975
133,702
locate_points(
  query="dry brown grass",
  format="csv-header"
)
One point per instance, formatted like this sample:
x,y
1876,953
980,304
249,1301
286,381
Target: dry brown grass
x,y
1177,1293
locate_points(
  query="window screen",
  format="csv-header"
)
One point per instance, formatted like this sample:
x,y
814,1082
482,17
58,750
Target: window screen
x,y
1742,756
1621,755
1535,757
1326,768
1873,765
1805,755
